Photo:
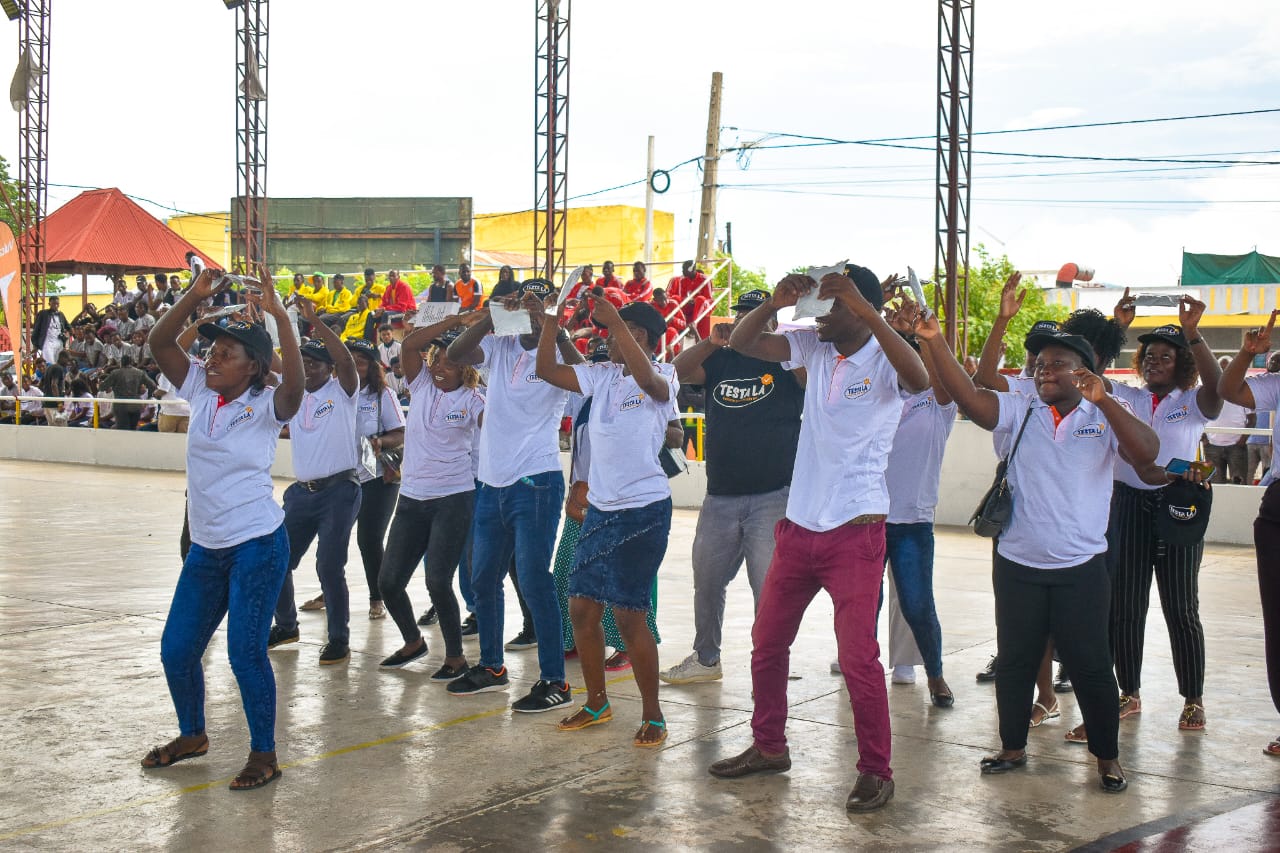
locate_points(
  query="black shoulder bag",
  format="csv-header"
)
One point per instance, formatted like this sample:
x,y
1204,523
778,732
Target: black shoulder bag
x,y
996,506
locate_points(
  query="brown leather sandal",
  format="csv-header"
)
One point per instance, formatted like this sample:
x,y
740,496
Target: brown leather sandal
x,y
261,769
179,749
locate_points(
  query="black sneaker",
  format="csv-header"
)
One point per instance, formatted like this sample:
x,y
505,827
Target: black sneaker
x,y
450,673
545,696
988,674
479,679
469,626
429,618
521,642
1062,684
400,658
334,652
279,636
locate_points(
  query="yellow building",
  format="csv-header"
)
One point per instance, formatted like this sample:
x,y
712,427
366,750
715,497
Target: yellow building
x,y
208,232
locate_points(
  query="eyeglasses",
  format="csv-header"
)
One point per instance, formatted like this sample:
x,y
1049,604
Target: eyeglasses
x,y
1055,366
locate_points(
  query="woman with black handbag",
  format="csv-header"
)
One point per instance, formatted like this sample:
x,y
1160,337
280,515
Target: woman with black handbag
x,y
1050,575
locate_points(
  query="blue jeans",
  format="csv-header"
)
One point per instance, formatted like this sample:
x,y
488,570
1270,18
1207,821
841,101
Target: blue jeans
x,y
328,514
519,519
241,582
909,549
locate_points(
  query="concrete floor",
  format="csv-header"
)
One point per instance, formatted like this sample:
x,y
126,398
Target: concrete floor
x,y
377,759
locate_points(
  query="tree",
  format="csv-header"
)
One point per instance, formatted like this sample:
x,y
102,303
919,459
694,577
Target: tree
x,y
14,192
985,282
743,281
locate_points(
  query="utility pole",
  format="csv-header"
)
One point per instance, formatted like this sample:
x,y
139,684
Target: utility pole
x,y
648,207
710,170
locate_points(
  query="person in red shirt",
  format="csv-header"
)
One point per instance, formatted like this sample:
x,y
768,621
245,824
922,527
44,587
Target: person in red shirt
x,y
398,298
694,285
675,319
583,285
639,289
612,286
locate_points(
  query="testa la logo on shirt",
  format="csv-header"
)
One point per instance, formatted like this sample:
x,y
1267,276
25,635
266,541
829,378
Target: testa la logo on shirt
x,y
325,408
858,389
1090,431
737,393
246,415
533,377
632,402
923,403
457,416
1178,414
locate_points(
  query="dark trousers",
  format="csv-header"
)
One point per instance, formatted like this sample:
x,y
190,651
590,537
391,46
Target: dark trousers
x,y
1266,539
1070,605
126,417
377,502
1134,555
327,515
1230,462
437,530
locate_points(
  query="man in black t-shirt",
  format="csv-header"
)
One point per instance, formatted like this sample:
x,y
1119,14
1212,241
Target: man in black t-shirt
x,y
753,424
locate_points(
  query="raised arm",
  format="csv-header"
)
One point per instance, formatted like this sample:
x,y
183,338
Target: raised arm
x,y
988,374
750,336
414,342
910,369
1231,385
637,360
980,405
1138,442
548,369
900,321
289,392
466,349
343,362
1207,398
689,363
169,354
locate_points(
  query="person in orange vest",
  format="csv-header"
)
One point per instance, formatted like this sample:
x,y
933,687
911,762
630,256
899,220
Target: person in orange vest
x,y
469,292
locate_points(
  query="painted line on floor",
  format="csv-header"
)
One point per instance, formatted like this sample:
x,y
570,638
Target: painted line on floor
x,y
301,762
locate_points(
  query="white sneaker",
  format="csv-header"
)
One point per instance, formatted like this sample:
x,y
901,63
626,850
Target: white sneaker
x,y
691,671
904,675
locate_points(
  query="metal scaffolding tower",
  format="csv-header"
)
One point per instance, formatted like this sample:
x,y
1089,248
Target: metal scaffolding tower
x,y
551,138
33,157
249,213
955,146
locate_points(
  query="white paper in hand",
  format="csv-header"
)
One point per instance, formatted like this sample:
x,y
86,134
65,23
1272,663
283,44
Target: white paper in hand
x,y
569,281
430,313
913,281
506,322
809,305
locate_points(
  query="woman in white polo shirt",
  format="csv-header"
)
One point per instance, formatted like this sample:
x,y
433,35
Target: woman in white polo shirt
x,y
1262,392
239,550
437,492
1169,359
1050,574
628,517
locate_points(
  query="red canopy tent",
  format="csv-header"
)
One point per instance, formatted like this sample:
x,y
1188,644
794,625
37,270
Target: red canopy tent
x,y
104,232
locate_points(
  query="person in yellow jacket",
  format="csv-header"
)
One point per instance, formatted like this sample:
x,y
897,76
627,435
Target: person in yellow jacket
x,y
358,327
340,306
372,289
320,292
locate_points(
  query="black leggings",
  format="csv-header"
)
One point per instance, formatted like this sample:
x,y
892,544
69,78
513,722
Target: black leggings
x,y
1072,606
436,528
1266,538
377,502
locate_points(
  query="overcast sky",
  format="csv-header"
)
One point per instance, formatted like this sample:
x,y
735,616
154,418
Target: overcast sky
x,y
421,98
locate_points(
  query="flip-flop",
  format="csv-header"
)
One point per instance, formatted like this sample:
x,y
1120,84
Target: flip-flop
x,y
1189,711
1272,748
604,715
1130,706
157,753
661,725
1073,737
1049,714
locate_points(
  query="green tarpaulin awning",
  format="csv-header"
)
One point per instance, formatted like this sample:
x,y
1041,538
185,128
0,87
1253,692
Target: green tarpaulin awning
x,y
1252,268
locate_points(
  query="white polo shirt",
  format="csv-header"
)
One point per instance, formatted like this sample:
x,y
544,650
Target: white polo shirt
x,y
368,424
1061,479
1231,416
1266,398
172,404
323,432
915,462
627,428
438,439
524,413
229,454
851,410
1177,421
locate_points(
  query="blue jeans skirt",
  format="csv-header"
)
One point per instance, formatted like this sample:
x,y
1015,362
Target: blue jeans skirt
x,y
619,554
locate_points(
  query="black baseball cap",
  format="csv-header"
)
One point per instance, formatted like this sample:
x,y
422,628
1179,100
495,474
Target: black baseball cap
x,y
1182,513
363,348
1039,340
252,336
867,283
539,287
1169,334
599,354
750,300
448,337
316,350
1040,326
646,317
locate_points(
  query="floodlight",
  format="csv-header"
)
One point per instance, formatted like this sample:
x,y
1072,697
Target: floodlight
x,y
12,8
231,4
